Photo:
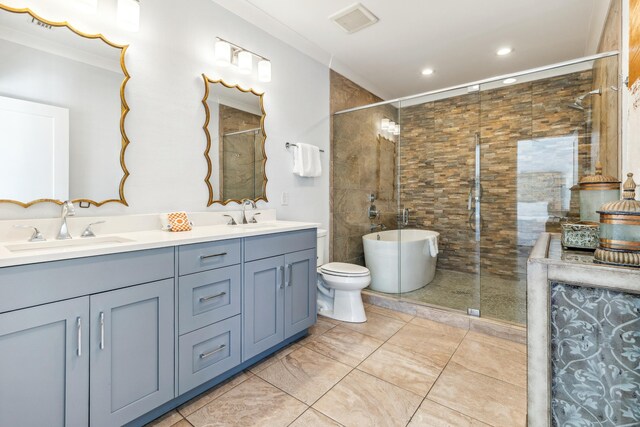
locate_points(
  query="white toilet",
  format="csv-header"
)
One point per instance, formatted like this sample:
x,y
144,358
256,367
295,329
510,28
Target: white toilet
x,y
339,287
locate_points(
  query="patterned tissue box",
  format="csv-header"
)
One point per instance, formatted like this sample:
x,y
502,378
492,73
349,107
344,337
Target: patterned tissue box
x,y
580,235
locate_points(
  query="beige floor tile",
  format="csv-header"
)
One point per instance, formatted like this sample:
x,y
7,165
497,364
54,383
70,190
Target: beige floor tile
x,y
313,418
345,345
363,400
497,342
493,360
402,367
322,325
305,374
438,327
377,326
437,342
201,400
398,315
270,360
328,319
167,420
484,398
255,402
182,423
431,414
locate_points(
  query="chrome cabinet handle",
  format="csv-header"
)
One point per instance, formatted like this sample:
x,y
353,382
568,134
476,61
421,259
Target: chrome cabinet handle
x,y
212,352
79,331
101,330
282,277
287,280
203,257
210,297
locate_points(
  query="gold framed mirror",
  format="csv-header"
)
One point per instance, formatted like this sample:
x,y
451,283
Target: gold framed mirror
x,y
235,152
62,111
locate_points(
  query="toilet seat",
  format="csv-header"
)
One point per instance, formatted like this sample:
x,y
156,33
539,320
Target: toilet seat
x,y
341,269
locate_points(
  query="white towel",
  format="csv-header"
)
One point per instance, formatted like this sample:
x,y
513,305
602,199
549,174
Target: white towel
x,y
432,242
306,160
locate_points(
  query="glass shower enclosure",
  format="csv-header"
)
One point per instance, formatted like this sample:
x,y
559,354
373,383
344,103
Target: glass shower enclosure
x,y
489,166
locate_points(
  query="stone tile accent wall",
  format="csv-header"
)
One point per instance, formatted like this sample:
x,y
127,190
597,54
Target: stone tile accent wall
x,y
361,163
437,165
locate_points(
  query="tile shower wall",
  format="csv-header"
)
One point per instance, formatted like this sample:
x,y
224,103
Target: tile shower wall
x,y
437,163
362,163
242,154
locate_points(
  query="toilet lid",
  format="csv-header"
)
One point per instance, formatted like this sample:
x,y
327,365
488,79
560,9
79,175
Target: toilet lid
x,y
344,269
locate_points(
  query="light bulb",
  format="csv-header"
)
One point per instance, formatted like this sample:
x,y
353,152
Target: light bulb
x,y
129,14
245,62
222,52
264,70
504,51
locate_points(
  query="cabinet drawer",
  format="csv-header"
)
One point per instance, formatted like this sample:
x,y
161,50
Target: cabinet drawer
x,y
207,256
269,245
208,297
208,352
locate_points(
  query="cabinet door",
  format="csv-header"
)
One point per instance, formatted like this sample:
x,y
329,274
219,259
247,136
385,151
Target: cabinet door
x,y
300,291
132,354
263,305
44,365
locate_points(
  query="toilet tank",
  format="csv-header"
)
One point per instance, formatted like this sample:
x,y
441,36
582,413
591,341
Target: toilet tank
x,y
322,241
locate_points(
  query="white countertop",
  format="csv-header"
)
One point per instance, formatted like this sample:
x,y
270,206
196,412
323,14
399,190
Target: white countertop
x,y
141,240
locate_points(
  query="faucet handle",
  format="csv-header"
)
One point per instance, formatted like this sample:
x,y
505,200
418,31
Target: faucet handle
x,y
232,220
36,236
253,218
88,232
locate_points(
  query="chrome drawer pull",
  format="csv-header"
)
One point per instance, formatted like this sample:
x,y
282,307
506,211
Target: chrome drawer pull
x,y
211,353
101,330
290,273
79,326
205,299
203,257
282,279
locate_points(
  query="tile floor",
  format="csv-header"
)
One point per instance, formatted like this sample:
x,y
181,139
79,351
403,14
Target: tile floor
x,y
394,370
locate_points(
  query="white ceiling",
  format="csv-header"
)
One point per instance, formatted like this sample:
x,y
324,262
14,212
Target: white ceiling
x,y
457,38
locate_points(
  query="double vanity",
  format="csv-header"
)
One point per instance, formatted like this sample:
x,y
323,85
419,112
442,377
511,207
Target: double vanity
x,y
123,327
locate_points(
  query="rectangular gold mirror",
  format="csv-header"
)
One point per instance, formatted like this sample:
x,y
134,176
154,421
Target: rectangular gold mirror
x,y
62,113
235,154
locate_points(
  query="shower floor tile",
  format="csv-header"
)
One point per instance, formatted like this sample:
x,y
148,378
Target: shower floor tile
x,y
497,297
426,374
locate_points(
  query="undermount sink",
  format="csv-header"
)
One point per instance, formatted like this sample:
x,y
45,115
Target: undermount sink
x,y
254,226
66,244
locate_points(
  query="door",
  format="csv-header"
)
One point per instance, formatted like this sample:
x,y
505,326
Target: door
x,y
263,305
44,365
132,354
300,291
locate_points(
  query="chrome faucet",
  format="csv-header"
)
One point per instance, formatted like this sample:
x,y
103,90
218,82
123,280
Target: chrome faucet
x,y
251,203
67,210
374,227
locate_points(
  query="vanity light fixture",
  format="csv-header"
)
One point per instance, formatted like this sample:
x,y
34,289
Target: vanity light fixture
x,y
509,81
503,51
427,71
88,6
227,53
129,14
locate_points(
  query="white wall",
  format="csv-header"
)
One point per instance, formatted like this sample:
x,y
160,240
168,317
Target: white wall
x,y
166,59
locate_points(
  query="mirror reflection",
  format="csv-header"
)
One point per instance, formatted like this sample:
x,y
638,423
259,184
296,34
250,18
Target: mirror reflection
x,y
235,138
61,110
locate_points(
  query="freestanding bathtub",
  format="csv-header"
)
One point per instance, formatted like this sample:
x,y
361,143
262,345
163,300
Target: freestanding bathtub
x,y
417,250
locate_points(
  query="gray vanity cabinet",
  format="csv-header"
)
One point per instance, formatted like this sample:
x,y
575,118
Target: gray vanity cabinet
x,y
263,309
131,351
279,288
300,291
44,365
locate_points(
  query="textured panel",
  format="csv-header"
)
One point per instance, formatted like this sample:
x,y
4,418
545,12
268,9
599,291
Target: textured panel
x,y
595,350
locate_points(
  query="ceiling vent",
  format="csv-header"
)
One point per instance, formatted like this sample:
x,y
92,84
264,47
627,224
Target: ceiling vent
x,y
354,18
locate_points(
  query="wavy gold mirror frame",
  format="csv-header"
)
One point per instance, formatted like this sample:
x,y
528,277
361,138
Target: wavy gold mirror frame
x,y
124,109
207,179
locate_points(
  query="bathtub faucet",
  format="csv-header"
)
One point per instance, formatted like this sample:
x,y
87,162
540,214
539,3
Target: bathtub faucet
x,y
374,227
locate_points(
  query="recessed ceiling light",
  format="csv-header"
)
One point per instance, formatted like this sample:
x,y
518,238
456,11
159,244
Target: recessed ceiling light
x,y
509,81
504,51
427,71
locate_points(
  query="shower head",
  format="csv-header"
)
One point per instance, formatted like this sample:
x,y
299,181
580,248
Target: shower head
x,y
577,104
